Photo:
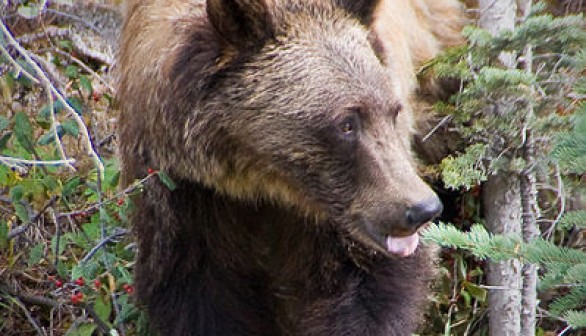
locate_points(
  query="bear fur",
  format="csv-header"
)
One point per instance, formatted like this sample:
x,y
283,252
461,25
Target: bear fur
x,y
286,126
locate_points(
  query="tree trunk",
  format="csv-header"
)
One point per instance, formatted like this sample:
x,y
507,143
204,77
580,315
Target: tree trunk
x,y
530,212
502,202
502,206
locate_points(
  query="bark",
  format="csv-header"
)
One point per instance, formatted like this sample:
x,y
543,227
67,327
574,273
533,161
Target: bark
x,y
502,202
502,206
529,217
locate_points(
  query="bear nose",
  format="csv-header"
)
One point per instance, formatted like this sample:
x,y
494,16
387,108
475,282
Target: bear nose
x,y
424,212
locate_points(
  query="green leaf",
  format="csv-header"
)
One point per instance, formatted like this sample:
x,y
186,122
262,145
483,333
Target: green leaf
x,y
167,181
103,307
127,311
29,11
4,140
44,113
63,240
3,234
70,186
4,122
76,104
50,183
70,127
92,230
72,71
62,270
83,329
65,44
124,274
47,138
477,292
23,131
16,193
86,84
88,270
21,212
36,254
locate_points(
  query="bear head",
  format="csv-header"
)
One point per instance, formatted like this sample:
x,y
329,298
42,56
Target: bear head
x,y
299,107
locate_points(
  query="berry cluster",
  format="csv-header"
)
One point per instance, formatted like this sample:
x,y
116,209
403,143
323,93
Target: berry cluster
x,y
76,287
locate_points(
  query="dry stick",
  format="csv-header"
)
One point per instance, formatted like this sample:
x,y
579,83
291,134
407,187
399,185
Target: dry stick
x,y
28,315
54,125
32,299
15,162
17,66
90,309
117,233
86,139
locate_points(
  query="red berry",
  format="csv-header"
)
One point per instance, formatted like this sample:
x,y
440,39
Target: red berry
x,y
76,298
96,96
97,283
121,201
79,281
150,171
129,289
59,283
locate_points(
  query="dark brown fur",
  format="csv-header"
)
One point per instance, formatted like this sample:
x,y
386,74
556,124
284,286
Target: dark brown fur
x,y
278,223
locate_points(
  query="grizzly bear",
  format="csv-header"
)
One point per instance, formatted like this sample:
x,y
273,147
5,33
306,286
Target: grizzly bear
x,y
286,128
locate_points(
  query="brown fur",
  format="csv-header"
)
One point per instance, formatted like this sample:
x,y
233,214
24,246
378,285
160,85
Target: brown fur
x,y
279,220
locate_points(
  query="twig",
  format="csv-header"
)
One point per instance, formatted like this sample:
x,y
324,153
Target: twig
x,y
80,47
17,67
86,139
86,68
28,315
75,18
32,299
50,31
14,162
436,127
97,205
118,232
105,328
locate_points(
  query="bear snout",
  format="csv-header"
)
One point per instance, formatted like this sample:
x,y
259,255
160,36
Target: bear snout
x,y
423,212
397,237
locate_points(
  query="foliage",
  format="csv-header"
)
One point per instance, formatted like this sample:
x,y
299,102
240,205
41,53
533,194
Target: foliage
x,y
561,266
535,98
65,250
496,105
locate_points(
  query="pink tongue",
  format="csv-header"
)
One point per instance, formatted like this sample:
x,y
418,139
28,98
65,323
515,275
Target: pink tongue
x,y
403,246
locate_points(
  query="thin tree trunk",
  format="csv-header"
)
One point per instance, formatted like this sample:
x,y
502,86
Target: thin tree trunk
x,y
502,206
530,211
530,232
502,202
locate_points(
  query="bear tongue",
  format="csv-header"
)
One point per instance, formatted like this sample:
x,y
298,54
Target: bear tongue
x,y
403,246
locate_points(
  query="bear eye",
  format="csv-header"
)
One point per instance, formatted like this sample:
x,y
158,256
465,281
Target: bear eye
x,y
349,125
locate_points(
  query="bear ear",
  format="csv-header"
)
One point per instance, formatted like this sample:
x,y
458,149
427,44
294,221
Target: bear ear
x,y
361,9
241,23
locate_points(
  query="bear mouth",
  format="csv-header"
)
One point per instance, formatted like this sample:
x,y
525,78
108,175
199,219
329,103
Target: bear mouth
x,y
398,244
402,246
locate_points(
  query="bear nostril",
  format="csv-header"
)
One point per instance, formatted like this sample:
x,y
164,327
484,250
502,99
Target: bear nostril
x,y
424,212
